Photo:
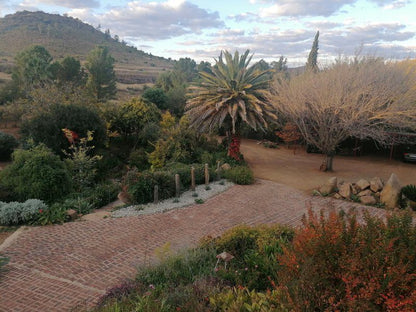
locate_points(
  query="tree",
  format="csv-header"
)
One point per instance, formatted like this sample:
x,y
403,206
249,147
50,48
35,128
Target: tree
x,y
69,71
186,67
365,99
280,65
312,63
102,78
156,96
233,93
32,68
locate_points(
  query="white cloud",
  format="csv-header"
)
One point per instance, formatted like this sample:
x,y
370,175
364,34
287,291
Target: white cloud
x,y
75,4
155,20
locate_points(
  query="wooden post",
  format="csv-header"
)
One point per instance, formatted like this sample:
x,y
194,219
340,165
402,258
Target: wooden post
x,y
156,194
218,170
177,185
206,172
193,178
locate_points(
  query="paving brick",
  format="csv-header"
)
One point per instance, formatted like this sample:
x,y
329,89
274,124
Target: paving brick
x,y
59,267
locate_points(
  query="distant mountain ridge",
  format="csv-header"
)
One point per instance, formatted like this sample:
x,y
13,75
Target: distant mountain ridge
x,y
64,35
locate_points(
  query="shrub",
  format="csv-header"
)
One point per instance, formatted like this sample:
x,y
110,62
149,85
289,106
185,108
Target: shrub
x,y
46,127
21,213
240,175
7,144
335,263
55,214
138,159
37,173
409,191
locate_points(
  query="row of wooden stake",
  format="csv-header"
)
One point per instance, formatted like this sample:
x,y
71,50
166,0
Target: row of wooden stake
x,y
178,183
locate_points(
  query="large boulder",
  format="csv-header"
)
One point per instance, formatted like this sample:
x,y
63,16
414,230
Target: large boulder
x,y
376,184
329,187
345,190
362,184
368,200
365,193
391,192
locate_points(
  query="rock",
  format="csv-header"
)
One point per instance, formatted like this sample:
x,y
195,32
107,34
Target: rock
x,y
337,196
345,190
368,200
329,187
376,184
362,184
72,214
391,191
225,167
355,190
365,193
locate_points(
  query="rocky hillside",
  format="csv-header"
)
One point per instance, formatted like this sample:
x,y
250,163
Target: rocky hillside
x,y
63,35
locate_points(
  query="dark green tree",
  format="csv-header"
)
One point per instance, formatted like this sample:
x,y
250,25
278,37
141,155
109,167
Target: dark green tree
x,y
156,96
69,71
33,68
187,68
312,63
102,78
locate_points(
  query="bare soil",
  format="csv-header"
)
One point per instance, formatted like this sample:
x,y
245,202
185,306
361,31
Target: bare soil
x,y
301,170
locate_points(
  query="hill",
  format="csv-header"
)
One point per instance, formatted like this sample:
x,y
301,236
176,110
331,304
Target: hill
x,y
64,35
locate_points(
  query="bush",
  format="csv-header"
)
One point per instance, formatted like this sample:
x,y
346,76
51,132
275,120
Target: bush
x,y
240,175
335,263
14,213
46,127
37,173
409,191
55,214
7,144
138,159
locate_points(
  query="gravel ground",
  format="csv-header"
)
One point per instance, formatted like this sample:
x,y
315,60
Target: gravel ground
x,y
186,199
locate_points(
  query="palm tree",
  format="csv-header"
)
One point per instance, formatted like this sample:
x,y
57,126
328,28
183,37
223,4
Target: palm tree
x,y
230,94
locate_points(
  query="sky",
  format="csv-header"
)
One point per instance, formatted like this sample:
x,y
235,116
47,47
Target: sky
x,y
200,29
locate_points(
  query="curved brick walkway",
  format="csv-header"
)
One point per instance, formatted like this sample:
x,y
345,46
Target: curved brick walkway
x,y
57,268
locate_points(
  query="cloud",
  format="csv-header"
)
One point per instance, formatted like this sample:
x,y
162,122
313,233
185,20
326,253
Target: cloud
x,y
155,20
315,7
376,39
73,4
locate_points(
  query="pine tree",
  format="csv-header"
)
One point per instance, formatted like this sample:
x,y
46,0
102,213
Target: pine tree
x,y
312,63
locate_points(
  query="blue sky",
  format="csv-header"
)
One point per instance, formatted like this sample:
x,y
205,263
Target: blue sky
x,y
269,28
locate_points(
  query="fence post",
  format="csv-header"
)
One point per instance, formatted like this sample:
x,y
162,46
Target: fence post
x,y
206,172
156,194
177,185
218,170
193,178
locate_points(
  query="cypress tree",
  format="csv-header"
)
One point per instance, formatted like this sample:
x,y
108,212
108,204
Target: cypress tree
x,y
312,63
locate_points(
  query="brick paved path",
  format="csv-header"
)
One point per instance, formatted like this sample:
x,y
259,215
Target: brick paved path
x,y
56,268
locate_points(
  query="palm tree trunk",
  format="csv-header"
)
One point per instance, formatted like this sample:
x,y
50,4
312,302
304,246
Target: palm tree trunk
x,y
234,147
327,164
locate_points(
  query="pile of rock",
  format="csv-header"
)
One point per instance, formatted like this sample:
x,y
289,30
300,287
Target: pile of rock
x,y
367,192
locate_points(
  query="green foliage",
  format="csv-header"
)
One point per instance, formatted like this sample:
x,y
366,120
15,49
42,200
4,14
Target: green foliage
x,y
46,127
55,214
37,173
32,68
138,159
179,143
231,94
7,144
240,175
91,198
312,63
409,191
255,250
80,162
133,116
69,71
14,213
156,96
102,78
243,300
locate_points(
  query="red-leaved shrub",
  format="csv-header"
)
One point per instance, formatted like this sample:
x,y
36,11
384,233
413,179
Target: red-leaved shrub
x,y
337,264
